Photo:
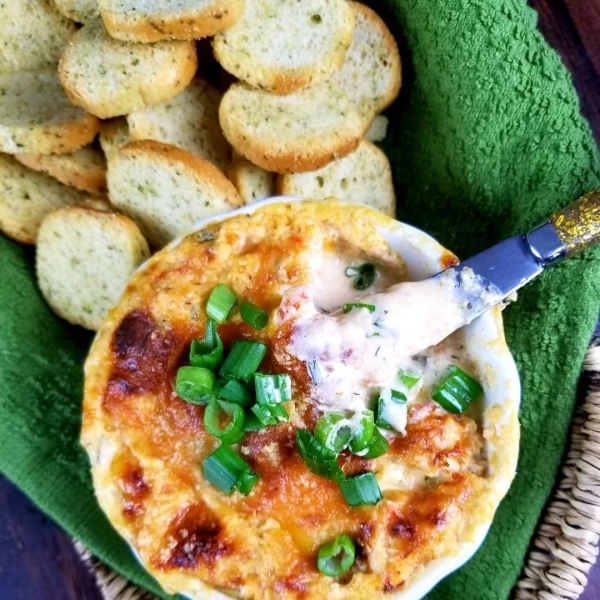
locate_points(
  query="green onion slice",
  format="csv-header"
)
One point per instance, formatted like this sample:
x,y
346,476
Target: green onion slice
x,y
252,423
253,315
272,389
228,471
337,556
408,378
234,390
360,489
194,384
378,447
320,460
364,275
456,390
220,303
363,432
348,307
392,412
217,411
270,414
334,430
243,360
208,352
246,482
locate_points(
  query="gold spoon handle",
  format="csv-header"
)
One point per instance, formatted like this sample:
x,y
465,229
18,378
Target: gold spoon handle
x,y
578,225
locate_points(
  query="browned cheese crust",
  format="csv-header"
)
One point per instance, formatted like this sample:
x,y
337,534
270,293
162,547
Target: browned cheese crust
x,y
146,444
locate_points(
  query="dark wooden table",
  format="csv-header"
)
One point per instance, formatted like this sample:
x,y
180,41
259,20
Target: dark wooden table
x,y
37,559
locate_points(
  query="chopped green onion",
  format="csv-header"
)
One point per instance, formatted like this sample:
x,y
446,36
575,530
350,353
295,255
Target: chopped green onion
x,y
363,432
208,352
348,307
361,489
364,275
227,470
333,430
246,482
270,414
272,389
456,390
337,556
252,423
194,384
408,379
378,447
233,431
392,411
320,460
234,390
253,315
243,360
220,303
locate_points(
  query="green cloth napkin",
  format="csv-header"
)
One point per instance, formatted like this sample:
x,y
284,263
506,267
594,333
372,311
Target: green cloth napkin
x,y
485,141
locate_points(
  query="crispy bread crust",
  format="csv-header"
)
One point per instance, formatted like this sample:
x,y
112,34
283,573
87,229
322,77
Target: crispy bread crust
x,y
189,25
84,169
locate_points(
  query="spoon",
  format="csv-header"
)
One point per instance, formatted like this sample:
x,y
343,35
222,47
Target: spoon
x,y
367,340
502,269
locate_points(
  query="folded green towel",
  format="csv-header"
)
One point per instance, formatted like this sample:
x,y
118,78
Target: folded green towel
x,y
485,141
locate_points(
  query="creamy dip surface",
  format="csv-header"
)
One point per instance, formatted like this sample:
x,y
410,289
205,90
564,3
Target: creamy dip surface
x,y
352,354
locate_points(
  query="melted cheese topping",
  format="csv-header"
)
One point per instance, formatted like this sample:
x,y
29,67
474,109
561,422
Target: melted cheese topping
x,y
146,445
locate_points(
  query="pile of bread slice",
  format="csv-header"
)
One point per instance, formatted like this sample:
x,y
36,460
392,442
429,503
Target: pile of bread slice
x,y
123,122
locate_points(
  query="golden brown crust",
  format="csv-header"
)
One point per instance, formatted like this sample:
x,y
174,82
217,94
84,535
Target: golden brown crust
x,y
85,169
191,25
146,444
290,162
58,139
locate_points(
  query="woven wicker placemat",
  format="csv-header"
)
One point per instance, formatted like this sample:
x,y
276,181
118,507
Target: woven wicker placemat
x,y
565,546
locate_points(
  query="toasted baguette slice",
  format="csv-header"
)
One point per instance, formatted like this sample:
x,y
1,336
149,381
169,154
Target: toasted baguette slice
x,y
114,134
166,189
189,121
32,34
36,116
152,21
286,46
371,73
84,259
252,182
82,11
97,203
362,177
27,196
111,78
84,169
299,132
378,129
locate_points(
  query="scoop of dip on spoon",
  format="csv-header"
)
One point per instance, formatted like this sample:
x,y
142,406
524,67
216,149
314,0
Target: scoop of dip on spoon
x,y
364,345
